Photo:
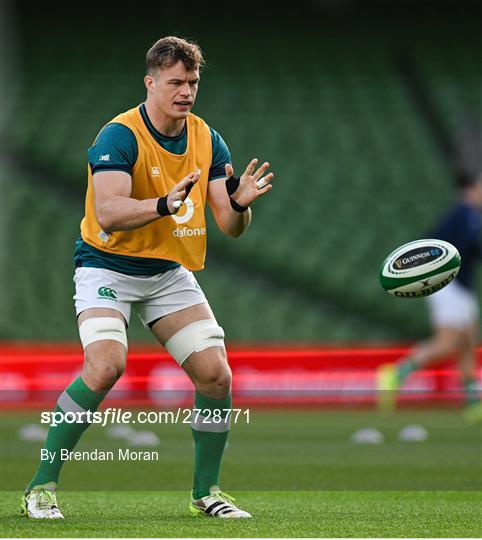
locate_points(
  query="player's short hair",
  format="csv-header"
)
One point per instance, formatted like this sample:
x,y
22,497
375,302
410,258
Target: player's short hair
x,y
465,179
468,173
169,50
467,157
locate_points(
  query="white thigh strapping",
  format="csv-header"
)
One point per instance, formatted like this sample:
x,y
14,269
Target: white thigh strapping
x,y
195,337
100,328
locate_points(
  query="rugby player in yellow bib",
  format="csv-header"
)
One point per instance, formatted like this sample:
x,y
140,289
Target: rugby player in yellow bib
x,y
151,171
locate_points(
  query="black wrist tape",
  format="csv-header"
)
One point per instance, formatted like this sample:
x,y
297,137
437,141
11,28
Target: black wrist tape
x,y
162,208
232,184
188,188
237,207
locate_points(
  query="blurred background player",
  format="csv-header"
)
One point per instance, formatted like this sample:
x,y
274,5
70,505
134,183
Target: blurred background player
x,y
454,311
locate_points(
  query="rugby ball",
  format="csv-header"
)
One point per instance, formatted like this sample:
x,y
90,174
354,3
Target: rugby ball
x,y
419,268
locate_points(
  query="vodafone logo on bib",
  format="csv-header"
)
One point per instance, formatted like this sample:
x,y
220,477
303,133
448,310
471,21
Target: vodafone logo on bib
x,y
183,216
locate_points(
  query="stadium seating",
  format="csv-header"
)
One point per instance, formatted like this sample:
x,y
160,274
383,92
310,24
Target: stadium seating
x,y
453,79
37,285
356,175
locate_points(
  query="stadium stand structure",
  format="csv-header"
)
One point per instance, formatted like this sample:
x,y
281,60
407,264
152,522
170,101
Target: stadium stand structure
x,y
37,289
356,175
459,95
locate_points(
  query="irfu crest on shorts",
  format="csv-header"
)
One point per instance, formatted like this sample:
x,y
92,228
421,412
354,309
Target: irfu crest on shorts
x,y
107,293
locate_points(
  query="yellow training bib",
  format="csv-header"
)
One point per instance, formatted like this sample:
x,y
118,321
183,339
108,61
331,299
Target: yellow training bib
x,y
180,237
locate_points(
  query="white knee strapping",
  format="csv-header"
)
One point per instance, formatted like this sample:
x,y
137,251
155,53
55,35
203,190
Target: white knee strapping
x,y
100,328
195,337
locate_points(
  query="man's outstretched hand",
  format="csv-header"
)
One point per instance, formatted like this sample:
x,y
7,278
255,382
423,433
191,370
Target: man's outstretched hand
x,y
252,183
178,194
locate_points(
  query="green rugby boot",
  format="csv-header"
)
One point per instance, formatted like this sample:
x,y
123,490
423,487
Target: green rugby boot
x,y
473,413
388,386
216,504
41,503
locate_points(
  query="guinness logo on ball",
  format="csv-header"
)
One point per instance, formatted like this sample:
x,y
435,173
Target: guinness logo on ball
x,y
417,257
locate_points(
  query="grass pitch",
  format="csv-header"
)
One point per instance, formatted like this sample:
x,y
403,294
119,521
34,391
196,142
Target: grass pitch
x,y
296,471
287,514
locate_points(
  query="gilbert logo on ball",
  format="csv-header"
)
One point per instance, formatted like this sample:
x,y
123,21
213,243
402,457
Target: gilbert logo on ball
x,y
419,268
